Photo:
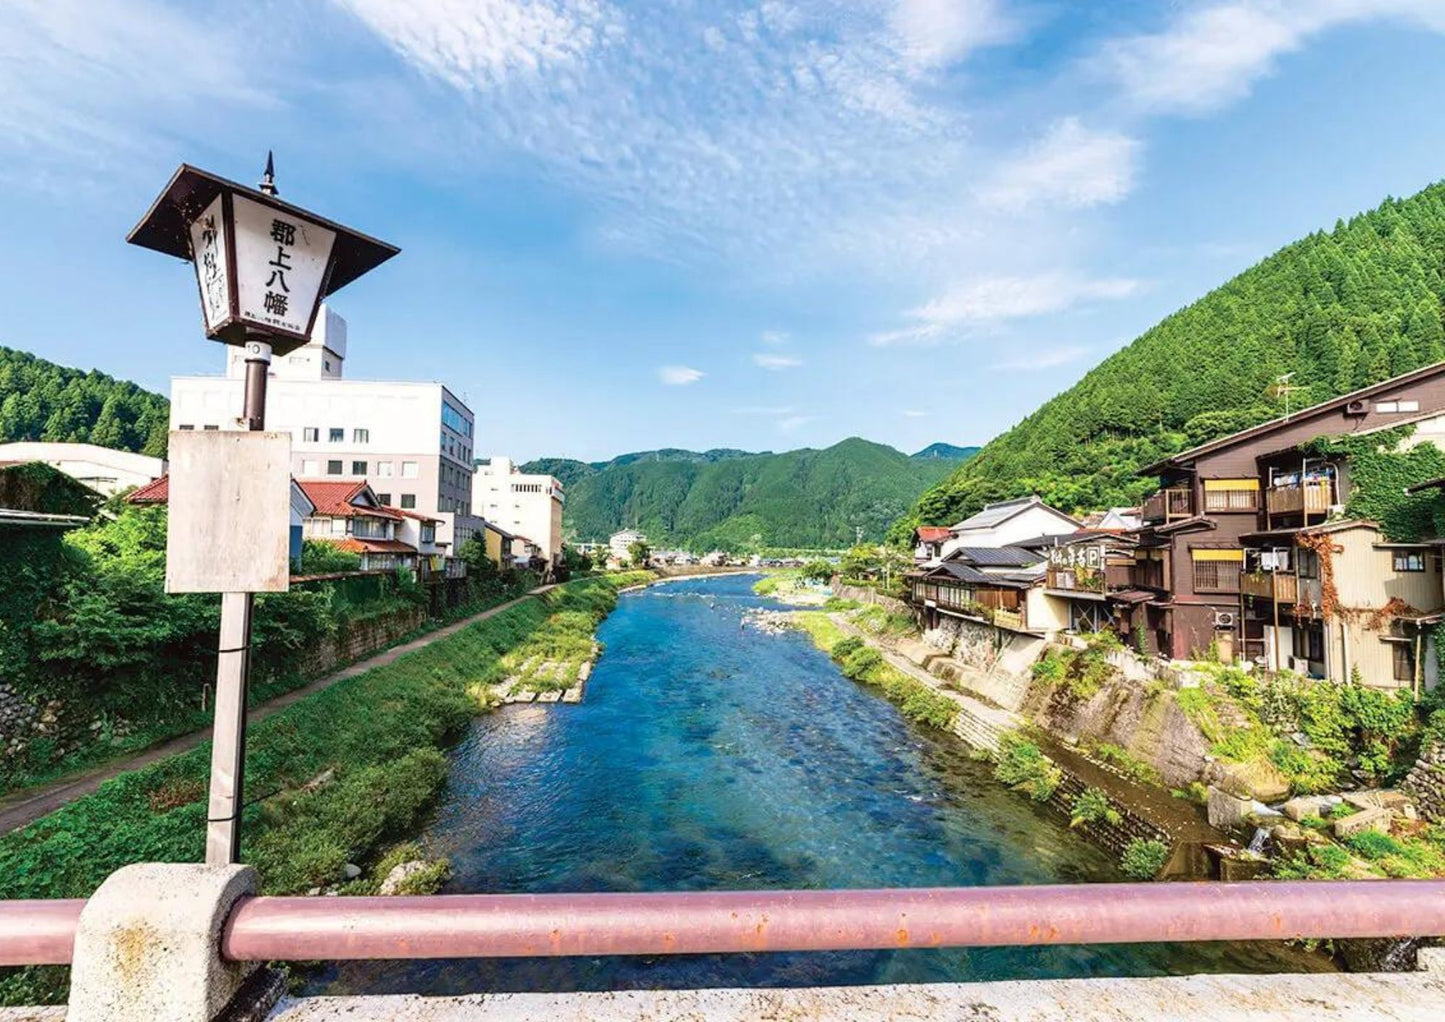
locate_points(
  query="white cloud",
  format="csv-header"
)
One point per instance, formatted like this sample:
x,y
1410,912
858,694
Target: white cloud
x,y
478,44
1214,54
774,337
776,362
794,422
679,376
913,413
1045,359
1070,166
988,300
934,33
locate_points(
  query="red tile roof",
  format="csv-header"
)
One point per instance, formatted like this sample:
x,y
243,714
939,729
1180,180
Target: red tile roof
x,y
932,533
158,492
334,499
414,514
374,546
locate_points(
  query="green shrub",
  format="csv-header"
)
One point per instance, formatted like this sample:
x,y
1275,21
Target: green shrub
x,y
1129,764
1143,859
1371,844
844,648
1317,862
1023,767
1093,806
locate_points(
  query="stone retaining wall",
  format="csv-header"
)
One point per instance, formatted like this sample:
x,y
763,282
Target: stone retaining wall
x,y
1426,783
1114,838
356,640
864,595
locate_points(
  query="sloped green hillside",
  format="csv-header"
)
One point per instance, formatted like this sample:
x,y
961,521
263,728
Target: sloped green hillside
x,y
40,400
732,500
1340,310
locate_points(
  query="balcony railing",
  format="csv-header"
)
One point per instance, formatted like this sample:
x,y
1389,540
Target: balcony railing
x,y
1169,504
1312,498
1280,586
1231,500
1083,580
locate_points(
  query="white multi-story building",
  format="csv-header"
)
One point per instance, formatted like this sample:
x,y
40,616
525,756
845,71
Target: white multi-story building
x,y
104,470
618,543
411,441
525,504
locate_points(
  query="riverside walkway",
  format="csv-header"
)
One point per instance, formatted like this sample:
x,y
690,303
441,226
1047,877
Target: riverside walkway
x,y
25,807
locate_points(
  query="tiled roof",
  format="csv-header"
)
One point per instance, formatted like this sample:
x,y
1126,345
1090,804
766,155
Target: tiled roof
x,y
932,533
353,545
996,557
158,492
414,514
334,499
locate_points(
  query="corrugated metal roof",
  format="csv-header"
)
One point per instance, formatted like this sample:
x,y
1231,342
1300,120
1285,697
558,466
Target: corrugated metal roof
x,y
996,557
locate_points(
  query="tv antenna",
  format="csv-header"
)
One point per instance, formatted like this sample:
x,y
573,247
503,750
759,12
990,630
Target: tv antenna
x,y
1283,389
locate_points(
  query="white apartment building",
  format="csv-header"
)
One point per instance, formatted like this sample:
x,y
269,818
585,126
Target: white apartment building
x,y
104,470
522,503
411,441
618,543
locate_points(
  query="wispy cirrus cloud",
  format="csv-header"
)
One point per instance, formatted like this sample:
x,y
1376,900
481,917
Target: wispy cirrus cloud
x,y
1214,54
1047,358
679,376
985,301
774,337
768,360
1070,166
932,33
794,422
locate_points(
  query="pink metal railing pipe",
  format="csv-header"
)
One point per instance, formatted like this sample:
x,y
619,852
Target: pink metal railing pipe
x,y
504,925
488,926
38,932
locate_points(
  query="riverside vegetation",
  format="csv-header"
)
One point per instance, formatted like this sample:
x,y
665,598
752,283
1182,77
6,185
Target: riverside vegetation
x,y
339,775
87,627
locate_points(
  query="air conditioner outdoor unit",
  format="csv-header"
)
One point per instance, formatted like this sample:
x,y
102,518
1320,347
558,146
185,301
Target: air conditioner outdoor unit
x,y
1224,619
1299,664
1357,408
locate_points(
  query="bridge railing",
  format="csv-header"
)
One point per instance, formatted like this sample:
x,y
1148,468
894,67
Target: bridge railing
x,y
509,925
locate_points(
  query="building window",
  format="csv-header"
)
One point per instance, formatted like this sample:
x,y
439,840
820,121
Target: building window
x,y
1309,642
311,434
1309,563
327,363
361,436
384,498
384,469
428,533
338,526
210,429
333,468
1409,560
408,500
310,468
1403,653
336,434
1217,571
187,427
408,470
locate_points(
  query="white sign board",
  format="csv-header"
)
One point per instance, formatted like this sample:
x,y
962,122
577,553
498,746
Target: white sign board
x,y
229,524
280,266
208,246
1077,555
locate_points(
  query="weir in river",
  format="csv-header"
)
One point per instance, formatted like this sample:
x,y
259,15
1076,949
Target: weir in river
x,y
711,755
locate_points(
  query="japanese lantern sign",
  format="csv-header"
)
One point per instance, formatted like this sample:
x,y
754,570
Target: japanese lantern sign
x,y
208,242
281,263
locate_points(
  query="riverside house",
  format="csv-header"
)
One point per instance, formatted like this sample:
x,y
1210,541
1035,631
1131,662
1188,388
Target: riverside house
x,y
1263,483
349,516
1090,578
928,542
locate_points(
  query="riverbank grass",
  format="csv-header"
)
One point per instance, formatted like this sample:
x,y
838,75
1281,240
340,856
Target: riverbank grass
x,y
859,662
337,776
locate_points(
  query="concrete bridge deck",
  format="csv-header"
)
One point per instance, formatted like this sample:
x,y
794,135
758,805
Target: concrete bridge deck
x,y
1383,997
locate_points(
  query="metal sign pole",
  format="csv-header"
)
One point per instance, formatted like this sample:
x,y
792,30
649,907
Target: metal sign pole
x,y
233,668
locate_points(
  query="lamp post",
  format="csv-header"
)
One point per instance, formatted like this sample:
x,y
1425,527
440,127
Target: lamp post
x,y
262,268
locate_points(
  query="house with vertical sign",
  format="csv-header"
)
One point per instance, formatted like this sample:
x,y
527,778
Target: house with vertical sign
x,y
1089,577
1257,490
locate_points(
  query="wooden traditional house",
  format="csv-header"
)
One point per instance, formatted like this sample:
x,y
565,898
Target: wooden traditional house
x,y
1191,549
1003,586
1090,578
1339,601
928,541
349,516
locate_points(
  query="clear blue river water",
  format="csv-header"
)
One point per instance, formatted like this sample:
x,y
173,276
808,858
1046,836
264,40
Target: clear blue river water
x,y
709,755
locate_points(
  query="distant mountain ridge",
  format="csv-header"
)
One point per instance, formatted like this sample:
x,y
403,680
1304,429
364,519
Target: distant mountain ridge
x,y
948,452
40,400
731,499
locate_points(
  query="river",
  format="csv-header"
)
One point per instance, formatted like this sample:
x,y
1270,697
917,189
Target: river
x,y
709,755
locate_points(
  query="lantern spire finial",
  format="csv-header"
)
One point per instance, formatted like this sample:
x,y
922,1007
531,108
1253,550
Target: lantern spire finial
x,y
268,180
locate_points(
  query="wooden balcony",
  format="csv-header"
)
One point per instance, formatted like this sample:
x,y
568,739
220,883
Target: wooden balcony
x,y
1169,505
1312,498
1010,619
1280,586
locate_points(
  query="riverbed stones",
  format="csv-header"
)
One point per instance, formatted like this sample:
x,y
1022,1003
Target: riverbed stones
x,y
396,881
351,871
1308,805
1228,812
550,696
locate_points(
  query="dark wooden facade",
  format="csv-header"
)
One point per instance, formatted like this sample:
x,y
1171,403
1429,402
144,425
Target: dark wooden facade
x,y
1191,551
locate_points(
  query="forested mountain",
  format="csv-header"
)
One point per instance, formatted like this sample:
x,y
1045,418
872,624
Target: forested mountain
x,y
734,500
1340,310
40,400
949,452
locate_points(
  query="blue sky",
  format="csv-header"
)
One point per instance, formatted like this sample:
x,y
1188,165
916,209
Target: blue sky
x,y
702,223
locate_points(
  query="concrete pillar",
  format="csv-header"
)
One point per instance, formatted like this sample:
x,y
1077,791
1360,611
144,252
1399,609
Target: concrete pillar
x,y
148,948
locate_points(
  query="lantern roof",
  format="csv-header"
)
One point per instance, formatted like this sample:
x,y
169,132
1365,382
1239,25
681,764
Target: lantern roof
x,y
165,227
